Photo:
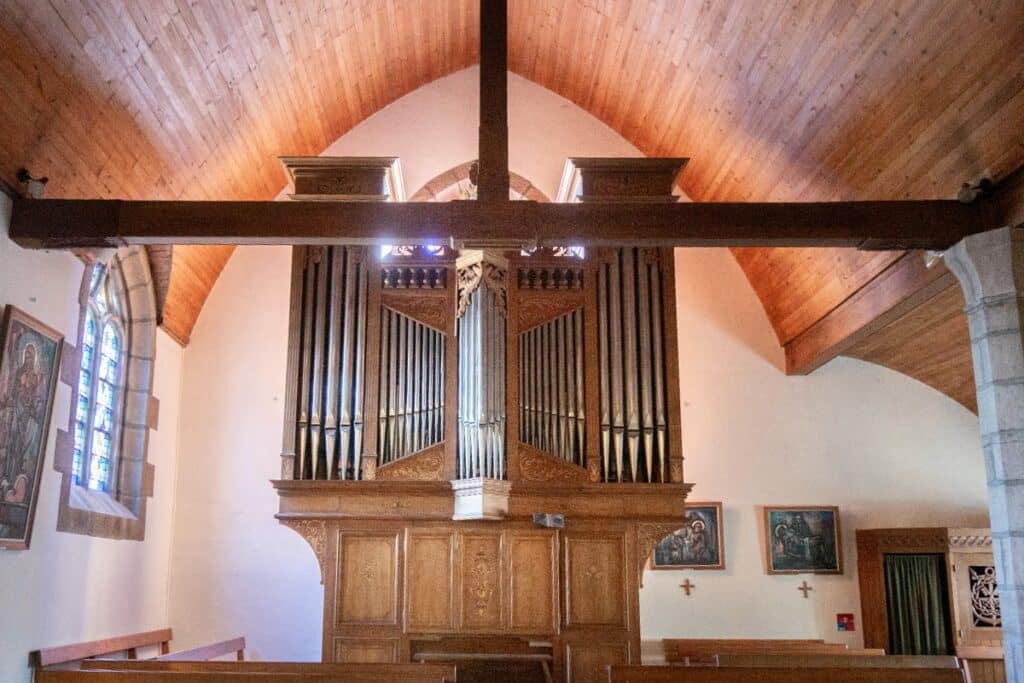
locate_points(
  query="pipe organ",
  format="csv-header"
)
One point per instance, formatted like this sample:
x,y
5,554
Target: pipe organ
x,y
437,398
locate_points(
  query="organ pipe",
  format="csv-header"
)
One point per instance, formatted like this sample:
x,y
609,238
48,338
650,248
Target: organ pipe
x,y
481,414
634,421
411,371
552,395
333,322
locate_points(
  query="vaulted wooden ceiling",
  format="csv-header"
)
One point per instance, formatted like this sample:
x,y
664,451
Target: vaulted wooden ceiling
x,y
774,100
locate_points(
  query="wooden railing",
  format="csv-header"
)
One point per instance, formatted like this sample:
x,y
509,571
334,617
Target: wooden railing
x,y
126,645
156,671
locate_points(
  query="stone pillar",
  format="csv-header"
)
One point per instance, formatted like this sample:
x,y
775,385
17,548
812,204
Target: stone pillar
x,y
990,267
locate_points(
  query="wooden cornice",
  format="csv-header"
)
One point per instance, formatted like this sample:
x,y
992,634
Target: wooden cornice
x,y
870,225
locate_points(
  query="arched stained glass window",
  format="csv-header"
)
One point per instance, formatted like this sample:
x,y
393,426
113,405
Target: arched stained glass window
x,y
100,382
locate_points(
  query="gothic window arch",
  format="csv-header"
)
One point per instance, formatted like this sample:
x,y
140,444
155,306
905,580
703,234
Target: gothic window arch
x,y
103,453
100,405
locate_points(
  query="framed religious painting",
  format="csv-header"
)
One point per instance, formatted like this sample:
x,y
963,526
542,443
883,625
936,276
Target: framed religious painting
x,y
803,540
29,369
698,544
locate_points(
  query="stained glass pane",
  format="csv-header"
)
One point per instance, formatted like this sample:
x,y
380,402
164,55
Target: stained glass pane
x,y
105,394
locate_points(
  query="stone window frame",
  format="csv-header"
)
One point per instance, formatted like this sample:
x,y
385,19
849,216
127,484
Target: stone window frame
x,y
121,513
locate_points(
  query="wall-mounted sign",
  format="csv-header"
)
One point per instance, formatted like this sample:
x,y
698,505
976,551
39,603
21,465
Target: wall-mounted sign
x,y
844,622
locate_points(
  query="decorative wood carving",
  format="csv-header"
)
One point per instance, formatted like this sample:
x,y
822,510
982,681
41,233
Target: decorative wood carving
x,y
423,466
482,556
535,465
536,310
648,535
403,277
483,271
550,276
974,540
421,307
315,533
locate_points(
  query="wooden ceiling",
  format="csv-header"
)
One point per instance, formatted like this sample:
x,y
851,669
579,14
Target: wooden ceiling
x,y
775,100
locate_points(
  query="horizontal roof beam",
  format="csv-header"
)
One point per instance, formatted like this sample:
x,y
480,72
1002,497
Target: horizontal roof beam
x,y
873,225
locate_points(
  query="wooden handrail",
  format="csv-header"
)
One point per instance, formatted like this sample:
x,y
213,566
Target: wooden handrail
x,y
95,648
207,652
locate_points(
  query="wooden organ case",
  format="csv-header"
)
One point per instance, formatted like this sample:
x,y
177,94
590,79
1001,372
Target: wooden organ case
x,y
437,399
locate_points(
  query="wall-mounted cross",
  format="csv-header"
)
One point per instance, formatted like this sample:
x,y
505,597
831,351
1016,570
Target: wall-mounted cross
x,y
805,588
687,586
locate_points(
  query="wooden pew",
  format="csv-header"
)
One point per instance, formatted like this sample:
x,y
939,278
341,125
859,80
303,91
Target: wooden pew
x,y
690,650
127,645
235,646
720,674
874,659
157,671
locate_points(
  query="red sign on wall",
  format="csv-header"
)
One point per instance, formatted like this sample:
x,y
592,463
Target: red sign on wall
x,y
844,622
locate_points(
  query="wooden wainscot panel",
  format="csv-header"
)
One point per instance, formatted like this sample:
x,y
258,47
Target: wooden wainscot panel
x,y
586,661
480,596
365,650
533,582
367,579
596,580
430,581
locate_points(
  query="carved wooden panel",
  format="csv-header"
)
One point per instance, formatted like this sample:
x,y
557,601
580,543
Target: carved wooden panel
x,y
367,578
431,309
365,650
586,661
481,594
596,580
429,581
533,582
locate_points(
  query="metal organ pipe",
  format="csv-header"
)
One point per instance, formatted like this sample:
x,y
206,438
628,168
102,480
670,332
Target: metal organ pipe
x,y
633,403
333,322
411,375
481,451
552,401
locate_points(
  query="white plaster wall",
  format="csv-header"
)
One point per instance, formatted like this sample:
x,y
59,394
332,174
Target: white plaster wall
x,y
888,450
68,588
234,569
435,128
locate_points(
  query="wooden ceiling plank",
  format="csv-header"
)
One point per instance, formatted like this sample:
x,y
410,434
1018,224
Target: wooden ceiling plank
x,y
896,290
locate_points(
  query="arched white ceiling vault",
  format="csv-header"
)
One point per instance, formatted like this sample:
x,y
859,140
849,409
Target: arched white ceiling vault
x,y
772,101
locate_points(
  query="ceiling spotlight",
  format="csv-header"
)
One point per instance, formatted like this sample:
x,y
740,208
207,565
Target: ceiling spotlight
x,y
35,186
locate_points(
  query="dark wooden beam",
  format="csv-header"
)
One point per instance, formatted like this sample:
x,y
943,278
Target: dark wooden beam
x,y
492,178
1008,198
67,223
899,288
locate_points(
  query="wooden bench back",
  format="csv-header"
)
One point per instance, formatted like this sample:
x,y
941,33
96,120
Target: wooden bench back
x,y
235,646
718,674
857,658
129,644
159,671
704,649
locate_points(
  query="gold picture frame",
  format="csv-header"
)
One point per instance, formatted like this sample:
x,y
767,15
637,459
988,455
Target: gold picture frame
x,y
693,541
802,539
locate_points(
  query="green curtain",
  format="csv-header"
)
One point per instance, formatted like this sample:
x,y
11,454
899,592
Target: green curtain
x,y
918,605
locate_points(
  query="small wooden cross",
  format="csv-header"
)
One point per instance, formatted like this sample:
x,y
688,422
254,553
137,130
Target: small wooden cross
x,y
804,588
687,586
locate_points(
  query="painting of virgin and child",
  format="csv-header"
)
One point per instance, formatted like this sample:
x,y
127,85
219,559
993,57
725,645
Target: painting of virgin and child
x,y
698,544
